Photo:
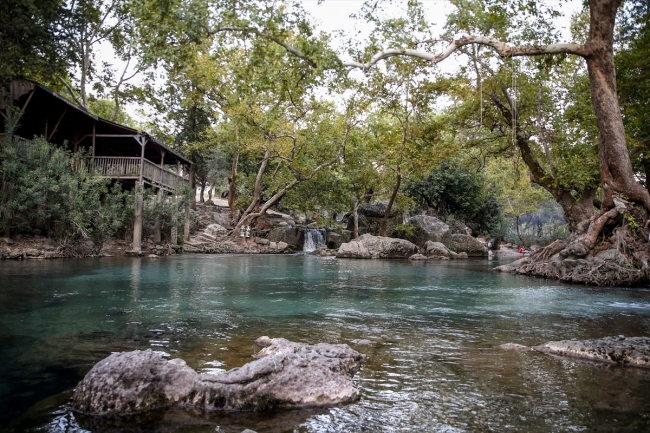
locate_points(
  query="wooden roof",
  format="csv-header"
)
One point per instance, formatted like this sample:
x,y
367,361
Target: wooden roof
x,y
61,122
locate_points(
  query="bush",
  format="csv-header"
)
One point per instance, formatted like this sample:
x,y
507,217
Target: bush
x,y
455,192
47,189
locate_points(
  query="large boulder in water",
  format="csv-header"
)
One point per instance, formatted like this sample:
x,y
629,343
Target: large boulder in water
x,y
427,228
467,244
377,247
286,374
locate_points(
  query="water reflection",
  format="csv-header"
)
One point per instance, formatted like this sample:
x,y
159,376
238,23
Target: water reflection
x,y
431,366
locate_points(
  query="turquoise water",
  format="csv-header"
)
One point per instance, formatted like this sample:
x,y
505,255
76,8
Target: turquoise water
x,y
434,325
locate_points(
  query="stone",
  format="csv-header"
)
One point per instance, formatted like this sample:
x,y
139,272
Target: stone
x,y
514,346
334,240
427,228
362,342
353,250
262,241
282,246
370,218
467,244
634,351
215,230
285,374
418,257
273,245
221,218
377,247
436,249
293,236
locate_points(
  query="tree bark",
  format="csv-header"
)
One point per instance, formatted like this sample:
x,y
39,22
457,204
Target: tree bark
x,y
232,188
384,221
193,187
615,166
355,214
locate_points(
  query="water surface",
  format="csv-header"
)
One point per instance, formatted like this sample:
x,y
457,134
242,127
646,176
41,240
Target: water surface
x,y
432,366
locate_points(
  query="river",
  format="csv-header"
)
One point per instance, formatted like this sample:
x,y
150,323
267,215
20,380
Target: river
x,y
432,366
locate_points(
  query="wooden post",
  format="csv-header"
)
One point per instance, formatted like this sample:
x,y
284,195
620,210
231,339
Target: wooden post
x,y
137,223
192,186
186,228
93,154
174,232
157,234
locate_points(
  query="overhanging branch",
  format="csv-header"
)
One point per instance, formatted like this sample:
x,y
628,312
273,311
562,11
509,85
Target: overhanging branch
x,y
502,48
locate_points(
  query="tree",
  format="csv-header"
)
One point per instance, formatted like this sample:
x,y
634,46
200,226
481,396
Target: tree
x,y
452,189
617,175
31,41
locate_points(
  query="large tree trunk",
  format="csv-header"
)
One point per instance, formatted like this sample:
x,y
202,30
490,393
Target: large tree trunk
x,y
232,188
575,210
257,191
615,166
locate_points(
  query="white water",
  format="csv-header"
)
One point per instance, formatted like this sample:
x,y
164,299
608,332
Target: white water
x,y
314,239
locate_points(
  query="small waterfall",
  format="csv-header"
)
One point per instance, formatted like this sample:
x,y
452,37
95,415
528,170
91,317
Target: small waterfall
x,y
314,239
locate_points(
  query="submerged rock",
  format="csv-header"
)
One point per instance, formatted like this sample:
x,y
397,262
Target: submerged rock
x,y
286,374
634,351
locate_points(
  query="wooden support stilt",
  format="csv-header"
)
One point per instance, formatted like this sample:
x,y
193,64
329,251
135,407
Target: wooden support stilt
x,y
174,231
186,228
157,235
137,223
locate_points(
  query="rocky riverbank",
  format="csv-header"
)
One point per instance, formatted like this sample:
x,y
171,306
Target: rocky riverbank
x,y
424,237
285,374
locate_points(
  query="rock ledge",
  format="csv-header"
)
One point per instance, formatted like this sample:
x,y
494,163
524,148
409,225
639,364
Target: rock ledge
x,y
634,351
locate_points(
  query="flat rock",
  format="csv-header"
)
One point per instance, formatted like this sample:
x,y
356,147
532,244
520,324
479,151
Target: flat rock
x,y
634,351
286,374
418,257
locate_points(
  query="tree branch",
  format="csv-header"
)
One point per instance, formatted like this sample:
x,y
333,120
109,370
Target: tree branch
x,y
502,48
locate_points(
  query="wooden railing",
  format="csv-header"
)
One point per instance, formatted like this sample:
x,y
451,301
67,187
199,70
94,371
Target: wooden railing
x,y
129,168
161,176
111,166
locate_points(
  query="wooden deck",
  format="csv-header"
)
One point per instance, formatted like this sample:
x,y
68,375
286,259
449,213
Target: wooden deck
x,y
129,168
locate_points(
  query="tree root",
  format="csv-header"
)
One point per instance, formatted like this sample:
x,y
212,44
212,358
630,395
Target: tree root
x,y
592,272
609,249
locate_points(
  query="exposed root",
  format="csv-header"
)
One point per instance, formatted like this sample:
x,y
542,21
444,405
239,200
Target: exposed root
x,y
609,249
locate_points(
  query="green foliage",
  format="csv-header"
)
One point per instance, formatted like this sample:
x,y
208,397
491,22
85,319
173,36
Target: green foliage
x,y
30,39
46,188
453,190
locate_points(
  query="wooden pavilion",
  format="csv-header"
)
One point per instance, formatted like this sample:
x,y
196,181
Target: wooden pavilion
x,y
118,152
